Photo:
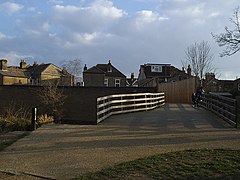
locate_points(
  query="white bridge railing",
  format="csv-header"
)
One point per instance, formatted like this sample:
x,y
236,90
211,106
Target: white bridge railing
x,y
125,103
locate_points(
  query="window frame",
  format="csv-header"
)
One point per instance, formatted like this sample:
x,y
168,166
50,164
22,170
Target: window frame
x,y
105,83
156,68
117,84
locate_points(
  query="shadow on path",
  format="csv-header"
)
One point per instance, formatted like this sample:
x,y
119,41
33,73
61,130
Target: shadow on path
x,y
64,151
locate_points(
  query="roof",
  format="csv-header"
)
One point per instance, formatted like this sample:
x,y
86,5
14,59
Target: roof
x,y
94,70
150,64
13,73
103,69
38,69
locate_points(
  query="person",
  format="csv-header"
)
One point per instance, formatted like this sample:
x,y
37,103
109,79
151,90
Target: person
x,y
193,100
199,94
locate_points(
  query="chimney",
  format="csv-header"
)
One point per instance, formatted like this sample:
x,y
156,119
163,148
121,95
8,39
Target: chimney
x,y
35,63
23,64
85,68
3,64
64,71
109,68
189,71
132,76
183,69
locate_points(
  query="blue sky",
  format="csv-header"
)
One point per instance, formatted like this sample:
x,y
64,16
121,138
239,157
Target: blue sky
x,y
129,32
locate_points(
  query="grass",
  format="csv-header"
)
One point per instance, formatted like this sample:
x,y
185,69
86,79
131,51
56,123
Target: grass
x,y
4,144
189,164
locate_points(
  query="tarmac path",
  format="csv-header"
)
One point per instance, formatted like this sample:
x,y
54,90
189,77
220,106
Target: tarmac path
x,y
65,151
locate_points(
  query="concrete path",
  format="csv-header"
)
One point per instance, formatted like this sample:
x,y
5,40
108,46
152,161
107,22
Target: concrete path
x,y
65,151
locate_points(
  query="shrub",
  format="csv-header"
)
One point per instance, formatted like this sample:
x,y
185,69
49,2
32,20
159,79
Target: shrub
x,y
44,119
15,118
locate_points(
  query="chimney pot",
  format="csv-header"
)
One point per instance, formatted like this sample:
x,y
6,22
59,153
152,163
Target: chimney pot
x,y
189,71
3,64
132,75
85,67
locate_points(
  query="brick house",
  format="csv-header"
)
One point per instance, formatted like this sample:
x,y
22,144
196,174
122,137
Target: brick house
x,y
212,84
103,75
37,74
152,74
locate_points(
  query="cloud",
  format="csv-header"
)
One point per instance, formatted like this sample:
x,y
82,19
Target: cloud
x,y
2,36
95,17
146,17
10,7
12,57
56,1
189,11
31,9
101,30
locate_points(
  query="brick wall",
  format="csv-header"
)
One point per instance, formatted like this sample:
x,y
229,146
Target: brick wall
x,y
93,80
80,105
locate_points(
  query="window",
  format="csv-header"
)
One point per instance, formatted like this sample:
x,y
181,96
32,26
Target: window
x,y
109,69
156,68
117,82
239,86
106,82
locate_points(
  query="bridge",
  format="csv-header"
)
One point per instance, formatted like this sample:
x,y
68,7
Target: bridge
x,y
64,151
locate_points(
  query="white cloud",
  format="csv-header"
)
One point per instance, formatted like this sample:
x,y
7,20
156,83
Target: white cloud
x,y
10,7
85,38
145,18
189,11
2,36
101,30
56,1
214,14
105,8
5,37
31,9
12,57
99,15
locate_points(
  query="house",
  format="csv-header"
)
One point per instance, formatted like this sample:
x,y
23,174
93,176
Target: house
x,y
212,84
237,84
132,81
103,75
152,74
11,75
37,74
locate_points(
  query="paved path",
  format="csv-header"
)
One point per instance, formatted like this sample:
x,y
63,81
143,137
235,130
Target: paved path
x,y
65,151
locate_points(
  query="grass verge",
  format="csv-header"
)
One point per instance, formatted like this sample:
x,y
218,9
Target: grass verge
x,y
4,144
189,164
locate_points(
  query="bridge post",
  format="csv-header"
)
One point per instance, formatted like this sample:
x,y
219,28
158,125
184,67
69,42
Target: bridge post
x,y
238,112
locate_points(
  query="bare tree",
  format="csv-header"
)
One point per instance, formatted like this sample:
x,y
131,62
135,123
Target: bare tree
x,y
199,57
230,39
52,99
74,67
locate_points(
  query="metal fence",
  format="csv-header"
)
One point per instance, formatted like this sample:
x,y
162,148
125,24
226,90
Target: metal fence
x,y
224,107
125,103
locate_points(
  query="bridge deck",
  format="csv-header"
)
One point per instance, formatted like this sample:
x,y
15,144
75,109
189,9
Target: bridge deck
x,y
171,116
64,151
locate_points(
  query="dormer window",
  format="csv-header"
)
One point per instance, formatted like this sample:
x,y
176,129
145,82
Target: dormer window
x,y
156,68
109,69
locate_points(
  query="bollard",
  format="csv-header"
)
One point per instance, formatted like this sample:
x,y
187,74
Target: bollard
x,y
34,119
238,112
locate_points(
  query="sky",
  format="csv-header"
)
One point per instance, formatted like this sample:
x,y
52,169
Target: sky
x,y
127,32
